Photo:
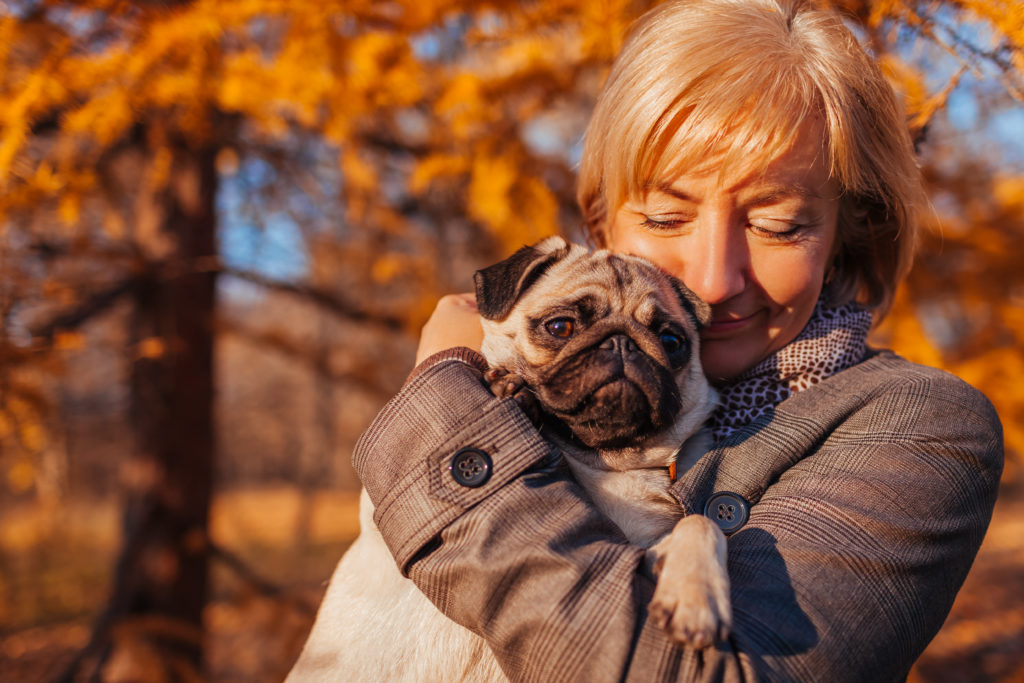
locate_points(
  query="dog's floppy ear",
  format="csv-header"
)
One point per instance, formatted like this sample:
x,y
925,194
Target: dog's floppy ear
x,y
696,306
498,287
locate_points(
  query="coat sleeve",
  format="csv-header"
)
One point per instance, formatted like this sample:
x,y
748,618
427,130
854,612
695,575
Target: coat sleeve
x,y
845,570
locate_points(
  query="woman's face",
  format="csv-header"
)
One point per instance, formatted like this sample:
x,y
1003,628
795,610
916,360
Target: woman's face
x,y
754,243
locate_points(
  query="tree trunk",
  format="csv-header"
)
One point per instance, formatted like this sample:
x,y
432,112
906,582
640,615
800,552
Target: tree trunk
x,y
152,630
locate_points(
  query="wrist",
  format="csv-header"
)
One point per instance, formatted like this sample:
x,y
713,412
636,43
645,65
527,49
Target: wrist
x,y
463,354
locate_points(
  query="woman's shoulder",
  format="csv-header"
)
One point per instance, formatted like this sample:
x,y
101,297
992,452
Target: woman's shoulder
x,y
923,430
885,377
887,400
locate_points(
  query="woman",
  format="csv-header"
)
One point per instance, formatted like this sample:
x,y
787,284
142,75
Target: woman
x,y
752,149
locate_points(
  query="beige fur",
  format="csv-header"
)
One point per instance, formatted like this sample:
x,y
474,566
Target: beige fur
x,y
375,625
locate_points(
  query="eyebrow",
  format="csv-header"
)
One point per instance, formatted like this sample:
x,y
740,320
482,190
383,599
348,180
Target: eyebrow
x,y
769,195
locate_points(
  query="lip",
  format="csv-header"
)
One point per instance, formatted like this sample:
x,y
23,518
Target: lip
x,y
726,326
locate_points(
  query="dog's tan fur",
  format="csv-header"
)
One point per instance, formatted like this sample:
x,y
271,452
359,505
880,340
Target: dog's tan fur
x,y
375,625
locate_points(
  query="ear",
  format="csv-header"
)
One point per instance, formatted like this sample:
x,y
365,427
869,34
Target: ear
x,y
498,287
693,304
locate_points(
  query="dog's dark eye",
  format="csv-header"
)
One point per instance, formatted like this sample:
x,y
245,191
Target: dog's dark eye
x,y
672,343
560,327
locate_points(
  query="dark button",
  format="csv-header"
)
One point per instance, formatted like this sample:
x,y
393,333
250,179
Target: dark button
x,y
728,510
471,467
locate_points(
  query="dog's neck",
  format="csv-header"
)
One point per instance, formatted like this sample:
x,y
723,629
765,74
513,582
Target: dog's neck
x,y
637,497
675,444
654,453
674,449
632,485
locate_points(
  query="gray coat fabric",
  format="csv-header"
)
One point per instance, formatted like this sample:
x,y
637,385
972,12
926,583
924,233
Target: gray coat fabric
x,y
870,494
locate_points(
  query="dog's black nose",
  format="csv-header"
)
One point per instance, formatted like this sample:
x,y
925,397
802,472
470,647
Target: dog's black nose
x,y
620,343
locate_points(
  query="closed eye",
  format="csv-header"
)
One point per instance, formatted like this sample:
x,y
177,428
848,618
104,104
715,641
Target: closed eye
x,y
778,230
663,224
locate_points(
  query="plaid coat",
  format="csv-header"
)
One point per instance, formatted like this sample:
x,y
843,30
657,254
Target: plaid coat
x,y
868,495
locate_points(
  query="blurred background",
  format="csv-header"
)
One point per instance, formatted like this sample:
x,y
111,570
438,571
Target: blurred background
x,y
222,224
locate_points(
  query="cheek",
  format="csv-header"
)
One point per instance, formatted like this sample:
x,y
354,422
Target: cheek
x,y
790,276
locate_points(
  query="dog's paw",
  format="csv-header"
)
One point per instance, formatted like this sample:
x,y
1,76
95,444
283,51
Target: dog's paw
x,y
691,615
691,599
504,384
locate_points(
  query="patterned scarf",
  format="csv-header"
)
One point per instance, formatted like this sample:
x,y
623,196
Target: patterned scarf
x,y
833,340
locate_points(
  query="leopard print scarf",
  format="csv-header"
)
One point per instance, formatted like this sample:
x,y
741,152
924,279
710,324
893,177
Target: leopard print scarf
x,y
833,340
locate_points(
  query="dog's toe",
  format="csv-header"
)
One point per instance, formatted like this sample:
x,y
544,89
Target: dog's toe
x,y
690,616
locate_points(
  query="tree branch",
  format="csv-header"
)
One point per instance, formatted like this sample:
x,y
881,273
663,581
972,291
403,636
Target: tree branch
x,y
263,586
319,297
309,358
93,305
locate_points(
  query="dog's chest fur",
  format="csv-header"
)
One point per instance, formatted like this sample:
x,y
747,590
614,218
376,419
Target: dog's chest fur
x,y
638,501
637,497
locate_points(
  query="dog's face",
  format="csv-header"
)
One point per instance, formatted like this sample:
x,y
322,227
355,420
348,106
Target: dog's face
x,y
608,343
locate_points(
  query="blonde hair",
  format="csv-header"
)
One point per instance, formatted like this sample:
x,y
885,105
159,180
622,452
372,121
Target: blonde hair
x,y
736,79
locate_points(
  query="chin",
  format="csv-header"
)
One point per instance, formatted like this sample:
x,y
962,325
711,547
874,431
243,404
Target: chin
x,y
726,359
723,364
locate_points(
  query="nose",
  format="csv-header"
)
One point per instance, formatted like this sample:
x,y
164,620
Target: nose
x,y
619,342
715,258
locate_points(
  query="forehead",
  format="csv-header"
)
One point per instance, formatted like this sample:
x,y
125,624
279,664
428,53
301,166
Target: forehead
x,y
726,140
609,281
801,170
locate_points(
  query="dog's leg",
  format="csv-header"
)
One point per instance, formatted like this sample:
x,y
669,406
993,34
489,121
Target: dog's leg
x,y
504,384
691,599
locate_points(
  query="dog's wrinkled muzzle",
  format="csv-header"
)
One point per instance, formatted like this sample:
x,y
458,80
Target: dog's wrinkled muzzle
x,y
613,389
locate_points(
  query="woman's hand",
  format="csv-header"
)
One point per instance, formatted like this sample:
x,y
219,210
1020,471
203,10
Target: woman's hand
x,y
454,322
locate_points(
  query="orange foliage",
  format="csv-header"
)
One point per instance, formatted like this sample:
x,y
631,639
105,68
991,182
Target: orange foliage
x,y
442,136
427,103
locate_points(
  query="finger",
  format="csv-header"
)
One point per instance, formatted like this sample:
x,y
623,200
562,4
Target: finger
x,y
465,300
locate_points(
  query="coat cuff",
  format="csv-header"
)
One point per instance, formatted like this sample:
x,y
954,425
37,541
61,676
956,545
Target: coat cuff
x,y
459,353
405,458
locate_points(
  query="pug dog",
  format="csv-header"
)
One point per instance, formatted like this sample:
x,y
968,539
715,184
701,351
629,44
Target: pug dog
x,y
602,351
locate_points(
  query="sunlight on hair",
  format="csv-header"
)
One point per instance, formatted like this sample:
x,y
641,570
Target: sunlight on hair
x,y
718,83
